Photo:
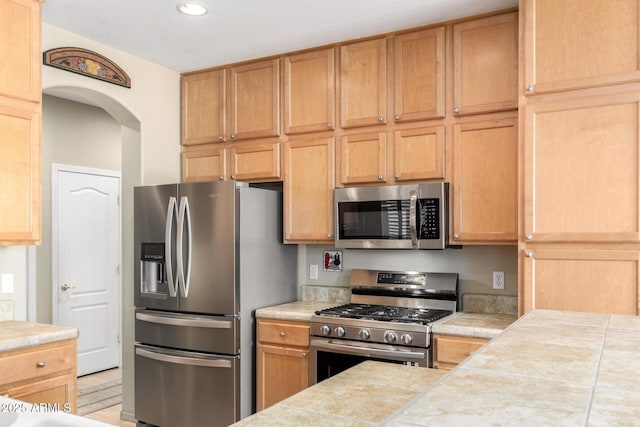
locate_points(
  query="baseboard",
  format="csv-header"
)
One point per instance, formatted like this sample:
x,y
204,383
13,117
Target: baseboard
x,y
127,416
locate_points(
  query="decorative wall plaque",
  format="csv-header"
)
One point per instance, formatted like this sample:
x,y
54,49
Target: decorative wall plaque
x,y
87,63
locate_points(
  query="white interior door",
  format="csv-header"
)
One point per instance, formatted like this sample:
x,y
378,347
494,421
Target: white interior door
x,y
86,262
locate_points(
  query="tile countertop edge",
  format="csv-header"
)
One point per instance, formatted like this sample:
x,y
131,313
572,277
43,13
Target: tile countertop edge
x,y
300,311
475,325
15,334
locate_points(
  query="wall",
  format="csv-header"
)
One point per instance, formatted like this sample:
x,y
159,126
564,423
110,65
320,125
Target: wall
x,y
474,264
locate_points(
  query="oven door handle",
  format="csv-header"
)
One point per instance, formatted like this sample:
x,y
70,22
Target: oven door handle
x,y
367,351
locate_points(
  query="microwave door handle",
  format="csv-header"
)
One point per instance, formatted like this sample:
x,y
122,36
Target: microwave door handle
x,y
413,202
168,231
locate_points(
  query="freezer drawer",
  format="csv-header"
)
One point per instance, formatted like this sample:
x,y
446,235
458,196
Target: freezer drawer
x,y
186,389
210,334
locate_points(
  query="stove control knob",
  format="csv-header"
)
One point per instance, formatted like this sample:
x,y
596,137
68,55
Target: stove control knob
x,y
406,339
364,334
340,331
325,330
390,336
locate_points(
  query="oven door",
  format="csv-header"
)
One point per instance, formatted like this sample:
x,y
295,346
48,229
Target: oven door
x,y
331,356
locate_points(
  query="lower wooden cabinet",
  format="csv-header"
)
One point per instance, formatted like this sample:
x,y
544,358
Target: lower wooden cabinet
x,y
282,360
450,350
43,374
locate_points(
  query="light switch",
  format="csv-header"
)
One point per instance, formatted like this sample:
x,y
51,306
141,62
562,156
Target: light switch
x,y
313,271
7,283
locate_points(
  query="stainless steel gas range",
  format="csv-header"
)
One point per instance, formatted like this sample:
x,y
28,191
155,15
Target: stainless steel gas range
x,y
389,319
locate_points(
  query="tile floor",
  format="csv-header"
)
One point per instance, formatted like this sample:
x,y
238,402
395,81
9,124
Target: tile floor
x,y
108,415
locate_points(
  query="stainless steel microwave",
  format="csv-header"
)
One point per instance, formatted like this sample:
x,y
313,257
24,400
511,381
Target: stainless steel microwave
x,y
411,216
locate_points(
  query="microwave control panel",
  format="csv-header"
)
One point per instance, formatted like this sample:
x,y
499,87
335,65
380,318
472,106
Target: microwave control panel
x,y
429,218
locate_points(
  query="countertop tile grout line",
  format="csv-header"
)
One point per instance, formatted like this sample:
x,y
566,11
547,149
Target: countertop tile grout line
x,y
595,380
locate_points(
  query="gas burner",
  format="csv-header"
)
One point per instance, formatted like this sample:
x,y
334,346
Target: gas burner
x,y
385,313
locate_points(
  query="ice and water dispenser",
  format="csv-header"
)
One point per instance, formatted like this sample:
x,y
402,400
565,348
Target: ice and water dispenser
x,y
153,278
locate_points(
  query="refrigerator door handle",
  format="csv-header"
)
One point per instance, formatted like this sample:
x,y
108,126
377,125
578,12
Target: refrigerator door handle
x,y
168,231
181,360
184,321
184,216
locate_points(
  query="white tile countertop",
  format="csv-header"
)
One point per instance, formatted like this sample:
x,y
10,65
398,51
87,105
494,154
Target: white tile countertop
x,y
295,311
476,325
15,334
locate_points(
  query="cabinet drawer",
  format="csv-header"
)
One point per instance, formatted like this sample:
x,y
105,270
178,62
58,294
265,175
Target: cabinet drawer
x,y
281,332
41,361
451,350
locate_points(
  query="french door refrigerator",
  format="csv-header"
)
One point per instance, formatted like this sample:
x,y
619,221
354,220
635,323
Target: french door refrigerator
x,y
207,255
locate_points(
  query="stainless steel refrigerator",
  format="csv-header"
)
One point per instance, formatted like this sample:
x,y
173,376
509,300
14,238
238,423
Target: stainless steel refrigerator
x,y
207,255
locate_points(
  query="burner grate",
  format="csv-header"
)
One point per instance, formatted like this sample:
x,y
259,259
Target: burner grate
x,y
385,313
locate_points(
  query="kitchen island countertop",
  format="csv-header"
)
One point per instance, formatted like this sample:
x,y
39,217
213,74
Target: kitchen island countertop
x,y
476,325
547,368
16,334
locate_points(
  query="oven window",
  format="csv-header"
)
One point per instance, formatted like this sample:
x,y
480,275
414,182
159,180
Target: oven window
x,y
329,364
380,220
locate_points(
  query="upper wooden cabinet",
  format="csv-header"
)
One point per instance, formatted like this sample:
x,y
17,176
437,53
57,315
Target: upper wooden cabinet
x,y
581,167
203,107
204,163
20,48
363,83
485,63
309,91
419,75
573,44
255,161
20,165
309,180
254,100
419,153
587,280
363,158
485,181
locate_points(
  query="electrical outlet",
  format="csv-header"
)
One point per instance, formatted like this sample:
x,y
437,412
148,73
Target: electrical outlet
x,y
498,280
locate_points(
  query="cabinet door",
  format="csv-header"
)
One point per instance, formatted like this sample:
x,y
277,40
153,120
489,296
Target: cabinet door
x,y
255,162
485,181
281,372
595,281
309,92
581,168
363,83
419,75
203,107
20,178
485,62
579,43
20,47
204,164
363,158
449,351
308,190
255,100
58,392
419,153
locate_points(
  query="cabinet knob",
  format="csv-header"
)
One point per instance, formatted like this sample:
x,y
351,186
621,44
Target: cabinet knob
x,y
329,236
304,355
329,125
221,178
529,88
233,177
456,236
396,176
380,177
456,110
380,119
528,237
527,254
232,136
220,138
396,117
41,364
281,333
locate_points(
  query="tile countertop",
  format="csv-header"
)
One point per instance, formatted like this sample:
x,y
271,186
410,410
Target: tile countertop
x,y
476,325
547,368
359,396
300,311
15,334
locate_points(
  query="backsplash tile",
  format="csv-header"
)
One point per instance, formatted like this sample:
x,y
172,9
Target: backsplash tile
x,y
326,294
484,303
7,309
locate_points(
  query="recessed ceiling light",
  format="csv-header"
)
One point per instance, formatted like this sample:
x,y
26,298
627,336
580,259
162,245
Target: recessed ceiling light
x,y
192,9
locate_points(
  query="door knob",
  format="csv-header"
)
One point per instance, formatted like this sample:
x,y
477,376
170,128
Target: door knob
x,y
66,287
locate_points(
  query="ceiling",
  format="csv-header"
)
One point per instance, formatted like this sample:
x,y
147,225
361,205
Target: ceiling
x,y
238,30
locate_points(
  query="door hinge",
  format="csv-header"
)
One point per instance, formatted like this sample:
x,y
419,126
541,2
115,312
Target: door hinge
x,y
118,269
118,200
118,338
